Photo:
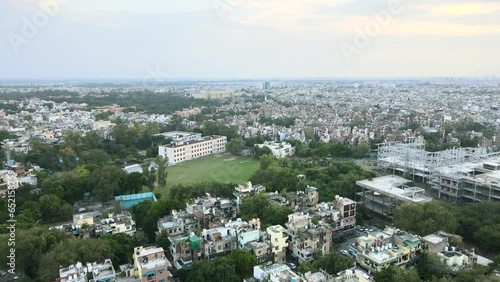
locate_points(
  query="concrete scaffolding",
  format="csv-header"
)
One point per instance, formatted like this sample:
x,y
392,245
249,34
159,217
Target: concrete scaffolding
x,y
456,174
410,157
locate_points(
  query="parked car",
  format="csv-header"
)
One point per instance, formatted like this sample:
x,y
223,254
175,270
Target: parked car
x,y
344,252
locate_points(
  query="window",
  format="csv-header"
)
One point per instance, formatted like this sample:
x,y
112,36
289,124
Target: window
x,y
162,271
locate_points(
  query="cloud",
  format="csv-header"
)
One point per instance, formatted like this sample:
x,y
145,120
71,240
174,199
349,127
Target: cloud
x,y
466,9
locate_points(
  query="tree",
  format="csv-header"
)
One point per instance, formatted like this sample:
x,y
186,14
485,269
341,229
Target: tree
x,y
476,273
31,245
94,156
121,246
162,170
105,182
262,151
70,251
235,146
361,150
243,262
396,274
489,237
430,266
252,207
266,161
43,155
49,206
132,183
162,240
332,263
219,270
6,135
275,214
139,212
425,218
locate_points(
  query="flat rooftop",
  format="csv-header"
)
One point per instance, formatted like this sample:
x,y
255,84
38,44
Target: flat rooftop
x,y
148,251
389,185
434,238
380,257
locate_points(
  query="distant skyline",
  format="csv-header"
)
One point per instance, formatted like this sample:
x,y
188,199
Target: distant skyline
x,y
239,39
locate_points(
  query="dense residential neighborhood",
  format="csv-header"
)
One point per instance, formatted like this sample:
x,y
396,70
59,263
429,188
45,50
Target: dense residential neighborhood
x,y
295,181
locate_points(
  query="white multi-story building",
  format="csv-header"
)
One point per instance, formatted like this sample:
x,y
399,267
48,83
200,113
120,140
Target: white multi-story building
x,y
192,146
279,150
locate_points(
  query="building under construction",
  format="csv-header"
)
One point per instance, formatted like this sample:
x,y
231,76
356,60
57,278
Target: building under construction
x,y
458,174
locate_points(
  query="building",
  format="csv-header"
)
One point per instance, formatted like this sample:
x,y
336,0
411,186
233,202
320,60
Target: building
x,y
116,223
266,85
216,95
275,273
246,190
347,209
410,157
353,275
184,250
375,252
127,201
434,243
305,199
383,194
191,146
186,113
150,264
306,239
453,258
279,242
278,149
102,272
469,181
457,175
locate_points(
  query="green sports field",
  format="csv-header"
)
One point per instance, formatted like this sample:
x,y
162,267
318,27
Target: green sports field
x,y
221,167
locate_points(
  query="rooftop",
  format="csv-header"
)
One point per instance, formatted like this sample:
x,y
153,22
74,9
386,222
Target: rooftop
x,y
434,238
140,252
390,185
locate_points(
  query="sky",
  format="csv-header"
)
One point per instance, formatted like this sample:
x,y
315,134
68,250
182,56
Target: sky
x,y
220,39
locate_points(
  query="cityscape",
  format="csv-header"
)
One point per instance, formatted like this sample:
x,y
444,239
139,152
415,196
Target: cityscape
x,y
249,141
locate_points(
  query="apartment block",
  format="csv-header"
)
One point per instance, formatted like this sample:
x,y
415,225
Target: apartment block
x,y
191,146
347,210
150,264
219,241
279,242
306,239
184,250
390,247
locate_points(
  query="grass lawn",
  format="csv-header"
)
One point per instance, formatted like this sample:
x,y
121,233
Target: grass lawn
x,y
220,167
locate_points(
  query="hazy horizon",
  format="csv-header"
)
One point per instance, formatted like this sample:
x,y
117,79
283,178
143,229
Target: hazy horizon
x,y
238,40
